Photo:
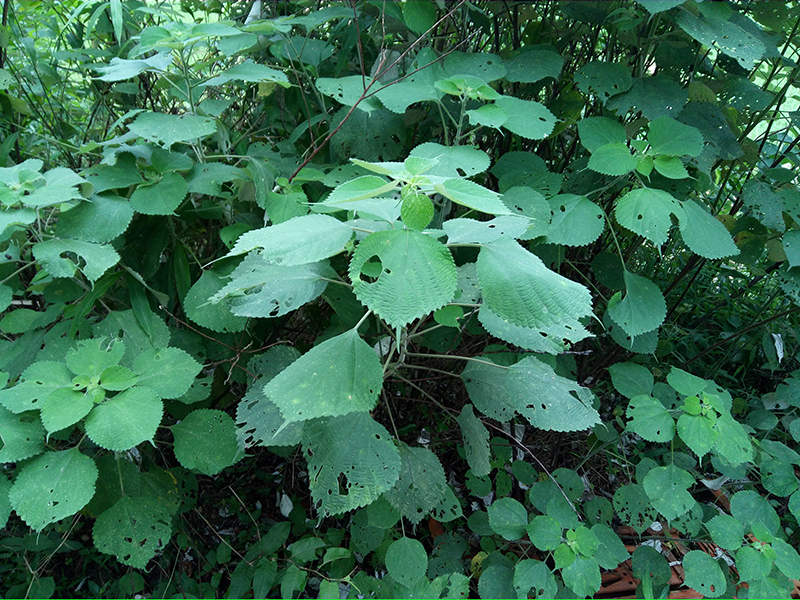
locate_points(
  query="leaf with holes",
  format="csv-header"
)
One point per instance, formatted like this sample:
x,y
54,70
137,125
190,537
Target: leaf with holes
x,y
532,389
518,287
205,440
460,231
704,234
96,259
533,64
704,574
575,220
165,129
646,211
53,486
545,338
668,488
412,275
352,460
169,372
129,418
298,241
536,576
476,441
36,383
421,486
216,316
249,71
452,161
650,419
643,309
605,79
22,435
634,507
133,530
339,376
528,119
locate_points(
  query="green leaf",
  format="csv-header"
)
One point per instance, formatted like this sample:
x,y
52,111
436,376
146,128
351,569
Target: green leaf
x,y
731,38
417,87
406,561
595,132
117,378
668,136
97,259
125,326
133,530
22,435
460,231
697,432
5,504
166,130
670,167
414,275
496,581
518,287
99,219
791,247
650,419
169,372
92,357
264,574
646,211
476,64
752,564
352,460
416,211
205,440
214,316
421,486
508,518
704,234
575,220
582,575
750,507
251,72
129,418
532,389
528,119
651,568
726,532
452,161
667,488
613,159
787,559
611,551
605,79
37,382
533,64
449,316
476,441
545,533
65,407
488,115
163,197
545,338
634,507
643,309
207,178
120,69
470,194
534,575
419,15
53,486
734,443
767,207
347,195
704,574
686,383
630,379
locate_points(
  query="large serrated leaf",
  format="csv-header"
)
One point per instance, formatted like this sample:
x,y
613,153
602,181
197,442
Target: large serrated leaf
x,y
470,194
352,460
169,372
421,484
643,309
99,219
545,338
518,287
97,259
37,382
605,79
668,136
528,119
417,275
532,389
214,316
460,231
406,561
167,129
339,376
92,357
205,440
613,159
634,507
646,211
667,488
22,435
575,220
53,486
65,407
595,132
650,419
163,197
125,326
133,530
654,96
732,39
129,418
452,161
631,379
298,241
703,574
533,64
704,234
476,441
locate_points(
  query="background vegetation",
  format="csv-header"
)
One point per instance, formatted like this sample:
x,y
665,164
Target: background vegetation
x,y
398,299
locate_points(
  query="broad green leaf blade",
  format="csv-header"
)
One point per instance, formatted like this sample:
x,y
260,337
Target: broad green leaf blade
x,y
534,575
698,433
787,559
214,316
726,532
65,407
251,72
704,234
92,357
129,418
668,488
731,38
298,241
750,507
670,167
654,95
133,530
605,79
704,574
582,576
421,486
488,115
165,130
352,460
533,64
611,551
791,247
259,288
418,86
643,309
205,440
461,231
406,561
631,379
117,378
452,161
519,288
668,136
650,419
532,389
347,90
416,211
99,219
207,178
22,435
37,382
120,69
686,383
752,564
169,372
476,441
96,259
347,195
414,275
125,326
595,132
545,533
508,518
470,194
528,119
5,504
575,221
53,486
488,67
525,201
339,376
613,159
634,507
545,338
646,211
767,207
162,197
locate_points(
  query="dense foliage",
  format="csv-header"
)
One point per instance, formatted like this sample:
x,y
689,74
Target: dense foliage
x,y
398,299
